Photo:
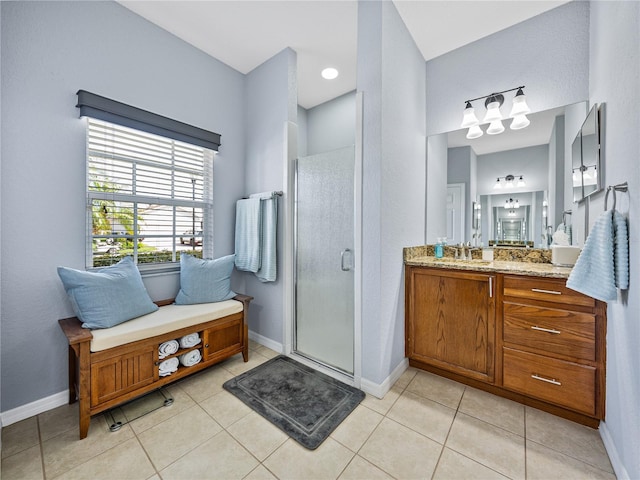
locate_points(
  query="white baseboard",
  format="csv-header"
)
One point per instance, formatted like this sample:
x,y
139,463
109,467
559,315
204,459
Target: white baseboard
x,y
612,451
267,342
379,390
34,408
58,399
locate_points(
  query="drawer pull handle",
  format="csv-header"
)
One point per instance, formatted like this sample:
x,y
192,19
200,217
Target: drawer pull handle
x,y
490,287
540,290
548,380
548,330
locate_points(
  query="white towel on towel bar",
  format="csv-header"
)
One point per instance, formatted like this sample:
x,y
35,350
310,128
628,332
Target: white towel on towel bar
x,y
168,366
190,340
168,348
191,358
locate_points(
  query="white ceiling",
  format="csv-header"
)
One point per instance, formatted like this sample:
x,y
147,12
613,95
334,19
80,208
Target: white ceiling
x,y
245,33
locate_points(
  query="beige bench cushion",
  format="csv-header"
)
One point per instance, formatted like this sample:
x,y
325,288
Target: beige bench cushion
x,y
164,320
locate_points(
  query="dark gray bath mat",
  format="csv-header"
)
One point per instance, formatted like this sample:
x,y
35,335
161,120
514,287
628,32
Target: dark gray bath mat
x,y
307,405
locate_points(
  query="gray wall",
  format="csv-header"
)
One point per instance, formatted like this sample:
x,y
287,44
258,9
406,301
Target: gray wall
x,y
331,125
392,79
548,54
270,103
49,51
614,79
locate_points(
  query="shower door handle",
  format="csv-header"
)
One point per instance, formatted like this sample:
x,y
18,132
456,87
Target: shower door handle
x,y
345,266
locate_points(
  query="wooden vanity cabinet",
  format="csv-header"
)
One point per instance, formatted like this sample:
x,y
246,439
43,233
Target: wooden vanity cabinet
x,y
450,321
527,338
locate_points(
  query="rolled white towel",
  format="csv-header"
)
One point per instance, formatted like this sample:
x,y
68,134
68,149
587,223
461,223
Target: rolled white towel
x,y
168,348
168,366
190,358
190,340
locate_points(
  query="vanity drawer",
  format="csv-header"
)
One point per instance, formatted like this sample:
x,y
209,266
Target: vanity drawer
x,y
556,381
545,289
551,330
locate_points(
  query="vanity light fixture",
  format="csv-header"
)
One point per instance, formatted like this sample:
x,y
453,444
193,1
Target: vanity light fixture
x,y
493,115
509,181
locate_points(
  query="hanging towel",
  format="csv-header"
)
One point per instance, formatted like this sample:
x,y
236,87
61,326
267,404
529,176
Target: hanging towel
x,y
621,250
190,340
248,231
269,228
191,358
594,271
168,366
168,348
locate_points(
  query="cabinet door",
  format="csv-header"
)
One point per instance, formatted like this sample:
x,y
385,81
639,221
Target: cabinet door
x,y
451,321
224,338
121,374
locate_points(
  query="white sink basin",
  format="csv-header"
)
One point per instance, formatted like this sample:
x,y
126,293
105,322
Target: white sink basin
x,y
564,255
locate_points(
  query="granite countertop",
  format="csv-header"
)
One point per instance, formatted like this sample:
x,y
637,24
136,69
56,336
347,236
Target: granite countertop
x,y
515,261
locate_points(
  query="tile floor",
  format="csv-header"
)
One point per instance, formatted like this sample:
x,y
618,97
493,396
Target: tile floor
x,y
425,427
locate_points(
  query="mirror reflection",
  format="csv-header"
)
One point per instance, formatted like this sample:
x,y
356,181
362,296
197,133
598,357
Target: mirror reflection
x,y
586,173
514,182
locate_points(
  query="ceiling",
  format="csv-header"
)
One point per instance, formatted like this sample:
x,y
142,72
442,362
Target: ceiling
x,y
245,33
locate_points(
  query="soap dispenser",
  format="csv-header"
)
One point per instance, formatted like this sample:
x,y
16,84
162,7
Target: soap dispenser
x,y
439,248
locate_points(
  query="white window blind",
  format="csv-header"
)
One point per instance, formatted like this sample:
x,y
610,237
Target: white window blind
x,y
148,196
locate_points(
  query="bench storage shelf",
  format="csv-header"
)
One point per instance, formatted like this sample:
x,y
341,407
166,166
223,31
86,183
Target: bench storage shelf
x,y
103,379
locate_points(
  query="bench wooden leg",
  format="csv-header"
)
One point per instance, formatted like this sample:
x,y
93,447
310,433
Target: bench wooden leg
x,y
84,385
72,375
245,349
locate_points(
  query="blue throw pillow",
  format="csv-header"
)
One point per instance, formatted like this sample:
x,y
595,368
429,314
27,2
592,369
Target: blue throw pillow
x,y
110,296
204,281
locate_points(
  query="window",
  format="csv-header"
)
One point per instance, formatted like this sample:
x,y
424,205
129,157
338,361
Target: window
x,y
149,196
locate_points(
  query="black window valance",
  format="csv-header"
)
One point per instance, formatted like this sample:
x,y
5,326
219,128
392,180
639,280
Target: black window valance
x,y
102,108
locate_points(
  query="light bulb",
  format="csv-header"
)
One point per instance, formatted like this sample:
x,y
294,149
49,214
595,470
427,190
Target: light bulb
x,y
520,182
474,132
498,185
469,119
519,121
495,127
519,106
493,112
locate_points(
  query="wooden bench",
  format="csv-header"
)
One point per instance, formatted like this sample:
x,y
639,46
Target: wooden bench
x,y
103,376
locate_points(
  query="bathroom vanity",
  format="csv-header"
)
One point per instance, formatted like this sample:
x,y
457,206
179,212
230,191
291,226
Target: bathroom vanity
x,y
508,327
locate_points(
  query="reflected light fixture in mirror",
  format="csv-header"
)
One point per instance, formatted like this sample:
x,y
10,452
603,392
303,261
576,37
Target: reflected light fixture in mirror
x,y
493,116
509,181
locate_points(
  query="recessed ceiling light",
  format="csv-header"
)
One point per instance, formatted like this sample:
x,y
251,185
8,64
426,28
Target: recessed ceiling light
x,y
329,73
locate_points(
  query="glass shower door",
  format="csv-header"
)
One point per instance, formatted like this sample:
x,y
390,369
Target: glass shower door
x,y
324,322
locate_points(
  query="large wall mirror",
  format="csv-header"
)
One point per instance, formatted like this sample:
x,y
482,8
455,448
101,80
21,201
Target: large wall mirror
x,y
515,186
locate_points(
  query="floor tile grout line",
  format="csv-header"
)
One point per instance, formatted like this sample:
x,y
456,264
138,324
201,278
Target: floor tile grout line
x,y
572,457
444,444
